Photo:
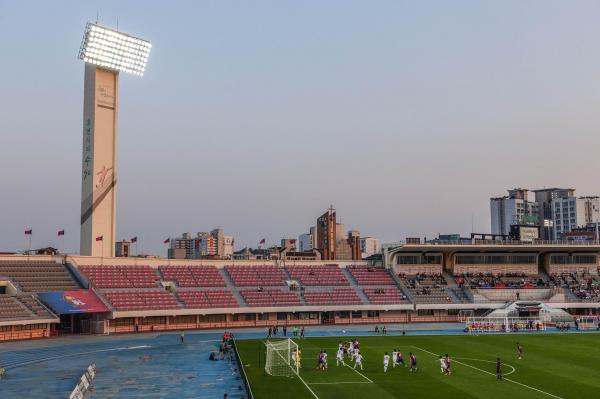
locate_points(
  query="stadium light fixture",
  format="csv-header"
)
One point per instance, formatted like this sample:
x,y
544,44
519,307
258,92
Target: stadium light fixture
x,y
110,49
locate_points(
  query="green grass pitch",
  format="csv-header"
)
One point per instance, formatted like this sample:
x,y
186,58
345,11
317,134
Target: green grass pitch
x,y
558,366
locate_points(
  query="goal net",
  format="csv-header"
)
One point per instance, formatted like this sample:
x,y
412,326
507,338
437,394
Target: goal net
x,y
587,322
283,358
504,324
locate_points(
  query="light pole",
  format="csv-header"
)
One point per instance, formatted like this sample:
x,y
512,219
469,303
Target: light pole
x,y
106,52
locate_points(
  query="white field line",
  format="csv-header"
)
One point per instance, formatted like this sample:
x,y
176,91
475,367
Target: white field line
x,y
492,374
359,373
339,382
298,373
488,361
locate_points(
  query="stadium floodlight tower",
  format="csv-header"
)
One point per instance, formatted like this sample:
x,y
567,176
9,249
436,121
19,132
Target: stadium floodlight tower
x,y
106,52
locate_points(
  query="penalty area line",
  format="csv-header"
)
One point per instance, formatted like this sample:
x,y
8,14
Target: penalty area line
x,y
492,374
359,373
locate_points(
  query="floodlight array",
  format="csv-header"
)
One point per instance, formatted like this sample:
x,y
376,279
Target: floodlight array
x,y
110,49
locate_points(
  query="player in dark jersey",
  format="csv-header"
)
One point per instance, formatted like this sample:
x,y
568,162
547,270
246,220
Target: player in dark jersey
x,y
520,351
413,362
498,370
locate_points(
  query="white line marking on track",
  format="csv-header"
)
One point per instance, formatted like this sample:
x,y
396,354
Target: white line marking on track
x,y
489,361
359,373
492,374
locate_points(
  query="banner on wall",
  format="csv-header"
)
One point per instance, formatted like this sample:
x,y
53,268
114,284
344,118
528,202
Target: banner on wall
x,y
72,302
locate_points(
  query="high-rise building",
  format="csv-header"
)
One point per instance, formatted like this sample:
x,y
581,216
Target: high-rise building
x,y
305,242
570,213
514,209
205,245
369,246
326,234
544,198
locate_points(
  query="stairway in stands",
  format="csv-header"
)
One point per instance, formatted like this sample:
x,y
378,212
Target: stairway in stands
x,y
355,286
231,287
457,293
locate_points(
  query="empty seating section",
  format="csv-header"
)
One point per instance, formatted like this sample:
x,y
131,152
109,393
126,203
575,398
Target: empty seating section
x,y
207,299
318,275
371,275
256,276
141,300
270,298
385,296
12,309
138,276
193,276
337,296
38,276
35,306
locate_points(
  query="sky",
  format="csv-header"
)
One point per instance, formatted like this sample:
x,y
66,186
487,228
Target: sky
x,y
255,116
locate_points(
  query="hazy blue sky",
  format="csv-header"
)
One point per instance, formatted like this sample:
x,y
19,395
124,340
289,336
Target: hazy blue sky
x,y
256,115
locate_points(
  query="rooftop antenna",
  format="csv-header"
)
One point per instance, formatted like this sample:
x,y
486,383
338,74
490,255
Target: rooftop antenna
x,y
97,15
117,23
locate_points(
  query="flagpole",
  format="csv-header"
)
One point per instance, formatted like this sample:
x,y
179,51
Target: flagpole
x,y
102,254
29,250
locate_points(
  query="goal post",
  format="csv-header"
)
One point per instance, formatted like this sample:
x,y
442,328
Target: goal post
x,y
282,358
504,324
587,322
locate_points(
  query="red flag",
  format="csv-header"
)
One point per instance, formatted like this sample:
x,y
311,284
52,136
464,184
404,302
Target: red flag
x,y
61,232
28,232
262,241
166,241
134,239
100,238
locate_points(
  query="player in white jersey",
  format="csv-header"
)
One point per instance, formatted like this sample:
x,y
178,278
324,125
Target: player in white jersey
x,y
443,366
358,358
386,362
325,359
339,357
394,358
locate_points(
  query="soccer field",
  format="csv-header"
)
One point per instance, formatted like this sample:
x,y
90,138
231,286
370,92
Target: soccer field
x,y
553,366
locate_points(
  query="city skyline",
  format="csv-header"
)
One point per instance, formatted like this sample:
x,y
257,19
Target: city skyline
x,y
244,131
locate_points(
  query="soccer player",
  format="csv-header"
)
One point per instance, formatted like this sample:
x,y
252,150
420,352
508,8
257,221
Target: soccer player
x,y
386,362
400,359
413,362
339,357
443,366
358,358
299,358
520,351
320,361
448,362
324,359
498,370
394,358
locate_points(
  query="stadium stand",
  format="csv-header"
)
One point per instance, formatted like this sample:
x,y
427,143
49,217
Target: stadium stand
x,y
316,275
141,300
193,276
121,276
270,298
385,296
38,276
336,296
508,280
584,286
256,276
207,299
371,275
